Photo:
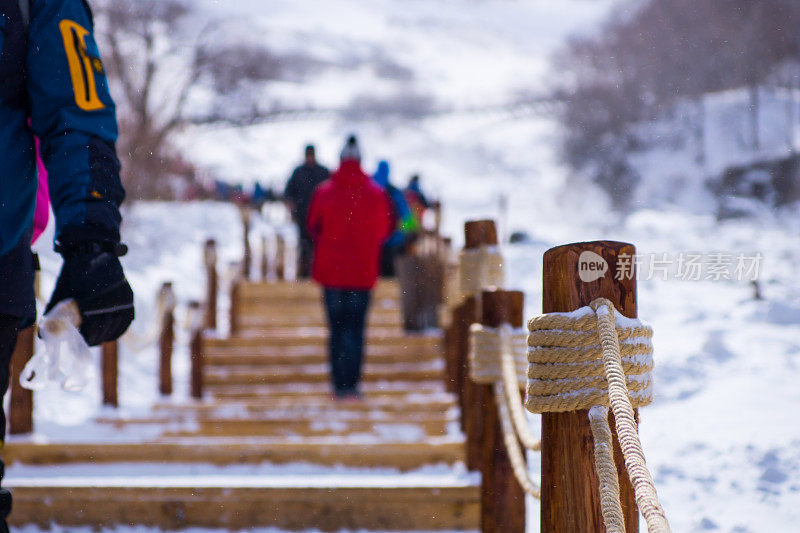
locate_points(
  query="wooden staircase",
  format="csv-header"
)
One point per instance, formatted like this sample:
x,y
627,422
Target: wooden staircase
x,y
268,447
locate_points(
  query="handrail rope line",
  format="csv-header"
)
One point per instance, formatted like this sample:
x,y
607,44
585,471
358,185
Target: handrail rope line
x,y
625,421
516,457
512,395
577,362
492,362
610,505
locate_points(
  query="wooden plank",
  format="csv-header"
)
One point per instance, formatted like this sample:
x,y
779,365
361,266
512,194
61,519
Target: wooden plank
x,y
251,375
418,402
240,508
311,356
395,389
331,451
318,337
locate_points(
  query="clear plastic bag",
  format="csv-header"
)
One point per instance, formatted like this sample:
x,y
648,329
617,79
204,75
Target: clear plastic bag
x,y
64,359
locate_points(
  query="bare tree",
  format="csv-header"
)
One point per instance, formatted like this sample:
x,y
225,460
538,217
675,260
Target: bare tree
x,y
153,63
668,51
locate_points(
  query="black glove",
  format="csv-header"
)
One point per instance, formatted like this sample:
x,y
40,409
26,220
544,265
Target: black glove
x,y
93,277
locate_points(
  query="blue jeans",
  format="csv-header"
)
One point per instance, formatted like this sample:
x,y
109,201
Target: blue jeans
x,y
347,313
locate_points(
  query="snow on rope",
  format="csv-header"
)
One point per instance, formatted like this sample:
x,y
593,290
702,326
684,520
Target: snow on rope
x,y
497,357
593,358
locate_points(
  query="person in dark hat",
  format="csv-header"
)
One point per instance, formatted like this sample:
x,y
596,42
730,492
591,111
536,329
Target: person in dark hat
x,y
297,197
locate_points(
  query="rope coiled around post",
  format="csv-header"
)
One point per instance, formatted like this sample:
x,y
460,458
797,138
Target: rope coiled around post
x,y
480,268
584,360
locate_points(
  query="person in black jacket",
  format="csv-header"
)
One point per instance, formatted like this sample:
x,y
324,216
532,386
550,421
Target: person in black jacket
x,y
297,197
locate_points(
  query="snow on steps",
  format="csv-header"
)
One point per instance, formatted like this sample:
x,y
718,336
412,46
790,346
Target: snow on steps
x,y
324,502
268,404
366,451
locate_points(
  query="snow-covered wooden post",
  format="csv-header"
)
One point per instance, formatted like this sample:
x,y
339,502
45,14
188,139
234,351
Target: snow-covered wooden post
x,y
166,339
210,259
20,417
233,311
280,258
195,351
574,275
477,233
502,497
264,263
247,257
110,369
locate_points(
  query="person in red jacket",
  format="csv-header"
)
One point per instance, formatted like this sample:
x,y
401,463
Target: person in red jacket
x,y
350,218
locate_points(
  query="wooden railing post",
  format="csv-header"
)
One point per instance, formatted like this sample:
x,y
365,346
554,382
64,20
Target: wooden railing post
x,y
477,233
280,258
502,497
20,416
234,307
264,263
166,338
210,258
195,350
110,362
247,257
570,493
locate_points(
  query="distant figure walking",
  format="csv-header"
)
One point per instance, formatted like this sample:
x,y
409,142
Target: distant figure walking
x,y
349,219
297,197
415,197
407,222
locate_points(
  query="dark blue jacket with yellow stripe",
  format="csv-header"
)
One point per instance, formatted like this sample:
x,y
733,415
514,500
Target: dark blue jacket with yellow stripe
x,y
53,85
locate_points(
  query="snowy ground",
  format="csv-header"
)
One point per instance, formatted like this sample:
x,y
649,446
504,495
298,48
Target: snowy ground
x,y
720,438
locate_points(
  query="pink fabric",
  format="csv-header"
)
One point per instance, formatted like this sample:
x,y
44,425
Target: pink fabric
x,y
41,213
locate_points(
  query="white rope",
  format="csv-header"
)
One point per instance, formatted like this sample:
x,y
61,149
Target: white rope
x,y
515,455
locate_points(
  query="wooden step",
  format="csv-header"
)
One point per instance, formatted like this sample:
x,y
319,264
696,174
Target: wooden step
x,y
309,355
321,391
239,504
410,426
250,375
354,452
299,290
318,337
266,319
299,310
313,403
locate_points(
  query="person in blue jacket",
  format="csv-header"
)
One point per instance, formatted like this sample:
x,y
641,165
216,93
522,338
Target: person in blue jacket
x,y
53,85
407,223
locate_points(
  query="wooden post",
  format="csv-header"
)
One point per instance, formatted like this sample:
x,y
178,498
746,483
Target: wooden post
x,y
210,257
502,497
110,362
247,257
280,258
264,259
166,339
234,308
570,493
476,234
20,416
196,349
